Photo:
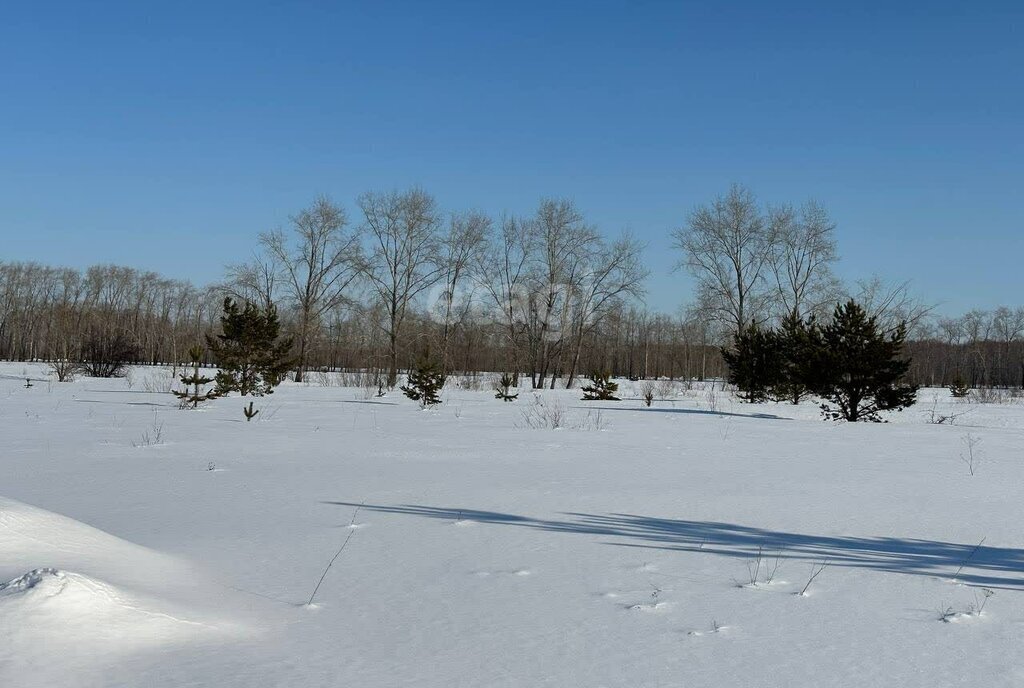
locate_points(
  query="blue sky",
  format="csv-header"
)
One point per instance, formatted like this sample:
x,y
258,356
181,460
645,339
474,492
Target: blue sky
x,y
166,136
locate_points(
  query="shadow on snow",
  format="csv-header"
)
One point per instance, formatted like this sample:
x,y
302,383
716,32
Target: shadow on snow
x,y
988,566
699,412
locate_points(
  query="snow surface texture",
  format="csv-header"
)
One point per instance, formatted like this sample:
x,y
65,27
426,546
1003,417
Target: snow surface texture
x,y
141,545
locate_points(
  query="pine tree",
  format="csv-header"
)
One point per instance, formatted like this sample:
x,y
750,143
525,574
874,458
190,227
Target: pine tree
x,y
249,412
795,339
425,383
755,363
503,388
959,387
191,398
601,388
252,358
857,367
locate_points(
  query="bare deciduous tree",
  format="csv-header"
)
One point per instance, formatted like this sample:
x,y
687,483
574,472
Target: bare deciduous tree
x,y
563,243
803,251
727,246
612,273
402,262
502,268
256,281
318,262
459,250
891,304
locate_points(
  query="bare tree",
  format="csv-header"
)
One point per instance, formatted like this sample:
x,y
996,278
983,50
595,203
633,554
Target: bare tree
x,y
1009,326
459,250
563,244
892,304
257,281
402,263
502,268
803,251
727,246
612,273
318,261
977,328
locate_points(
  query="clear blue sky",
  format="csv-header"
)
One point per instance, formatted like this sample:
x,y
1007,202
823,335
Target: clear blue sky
x,y
166,135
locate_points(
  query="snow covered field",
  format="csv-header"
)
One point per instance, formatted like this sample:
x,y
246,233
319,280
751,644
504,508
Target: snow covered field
x,y
141,545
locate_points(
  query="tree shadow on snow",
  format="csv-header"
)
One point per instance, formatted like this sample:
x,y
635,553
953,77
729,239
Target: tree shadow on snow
x,y
989,566
698,412
170,404
122,391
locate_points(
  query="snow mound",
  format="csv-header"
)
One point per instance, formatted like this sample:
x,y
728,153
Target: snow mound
x,y
90,610
90,624
47,578
29,536
30,579
97,599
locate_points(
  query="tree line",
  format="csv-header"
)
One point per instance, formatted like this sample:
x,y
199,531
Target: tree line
x,y
545,296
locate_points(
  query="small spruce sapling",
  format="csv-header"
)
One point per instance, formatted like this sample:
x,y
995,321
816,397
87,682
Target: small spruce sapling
x,y
601,388
503,388
192,398
249,412
425,383
959,387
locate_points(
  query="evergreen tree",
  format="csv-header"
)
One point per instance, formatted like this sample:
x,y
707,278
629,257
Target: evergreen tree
x,y
795,339
959,387
191,398
252,359
503,388
601,388
857,367
425,383
249,412
755,363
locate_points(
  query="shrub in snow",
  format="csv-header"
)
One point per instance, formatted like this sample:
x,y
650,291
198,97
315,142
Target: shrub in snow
x,y
647,392
425,383
107,355
540,415
601,388
63,363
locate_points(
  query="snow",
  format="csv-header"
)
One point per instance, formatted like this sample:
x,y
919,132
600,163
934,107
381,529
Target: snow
x,y
632,547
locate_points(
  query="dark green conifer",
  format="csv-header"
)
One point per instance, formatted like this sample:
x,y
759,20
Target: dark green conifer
x,y
795,338
249,412
856,367
503,388
192,398
959,387
755,363
252,358
601,388
425,383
